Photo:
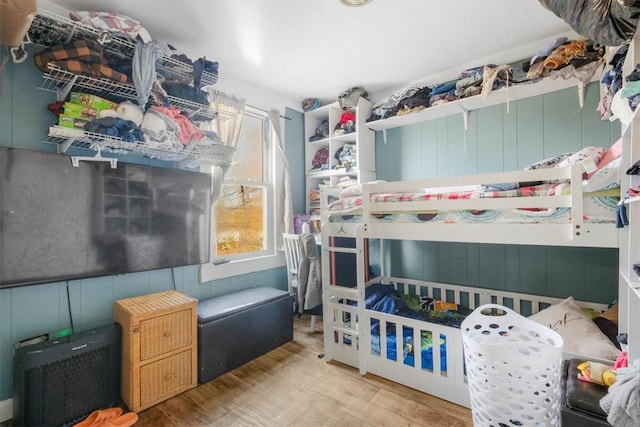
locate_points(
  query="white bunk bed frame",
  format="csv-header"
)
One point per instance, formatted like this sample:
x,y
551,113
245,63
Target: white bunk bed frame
x,y
574,233
347,341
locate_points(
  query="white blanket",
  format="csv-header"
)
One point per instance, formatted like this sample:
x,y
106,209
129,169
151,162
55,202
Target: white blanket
x,y
622,401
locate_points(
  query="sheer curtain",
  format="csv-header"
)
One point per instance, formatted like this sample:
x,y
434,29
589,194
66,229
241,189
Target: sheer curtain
x,y
226,125
284,209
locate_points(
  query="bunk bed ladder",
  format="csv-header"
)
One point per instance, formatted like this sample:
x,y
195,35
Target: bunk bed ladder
x,y
341,310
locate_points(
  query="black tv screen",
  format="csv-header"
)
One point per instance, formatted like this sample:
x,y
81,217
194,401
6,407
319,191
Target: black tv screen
x,y
60,222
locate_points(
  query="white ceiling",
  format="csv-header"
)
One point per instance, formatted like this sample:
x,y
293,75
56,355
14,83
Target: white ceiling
x,y
318,48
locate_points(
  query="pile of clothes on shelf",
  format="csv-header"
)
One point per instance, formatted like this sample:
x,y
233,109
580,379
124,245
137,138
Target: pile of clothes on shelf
x,y
621,94
102,59
171,92
346,124
561,58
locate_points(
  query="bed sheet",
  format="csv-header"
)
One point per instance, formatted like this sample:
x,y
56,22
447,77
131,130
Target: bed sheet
x,y
598,207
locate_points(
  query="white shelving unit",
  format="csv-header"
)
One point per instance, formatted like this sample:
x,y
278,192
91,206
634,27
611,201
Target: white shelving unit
x,y
629,286
362,138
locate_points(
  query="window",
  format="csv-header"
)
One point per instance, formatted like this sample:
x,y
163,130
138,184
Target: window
x,y
243,215
239,218
243,231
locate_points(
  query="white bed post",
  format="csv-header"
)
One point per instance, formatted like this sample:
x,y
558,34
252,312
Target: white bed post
x,y
577,220
363,321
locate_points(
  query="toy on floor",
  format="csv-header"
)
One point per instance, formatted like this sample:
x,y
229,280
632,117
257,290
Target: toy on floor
x,y
598,373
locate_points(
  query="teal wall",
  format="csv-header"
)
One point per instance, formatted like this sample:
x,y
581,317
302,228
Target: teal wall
x,y
294,127
534,128
33,310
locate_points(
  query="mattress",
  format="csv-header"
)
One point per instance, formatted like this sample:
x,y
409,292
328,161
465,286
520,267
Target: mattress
x,y
598,207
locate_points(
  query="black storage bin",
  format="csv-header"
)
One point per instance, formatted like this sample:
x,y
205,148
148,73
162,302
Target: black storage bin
x,y
238,327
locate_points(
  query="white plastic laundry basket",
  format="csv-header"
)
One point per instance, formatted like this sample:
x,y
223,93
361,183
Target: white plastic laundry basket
x,y
513,368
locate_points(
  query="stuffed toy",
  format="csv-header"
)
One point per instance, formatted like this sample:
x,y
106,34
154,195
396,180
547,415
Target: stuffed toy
x,y
598,373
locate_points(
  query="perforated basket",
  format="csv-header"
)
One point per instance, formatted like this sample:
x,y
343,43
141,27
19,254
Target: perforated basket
x,y
513,368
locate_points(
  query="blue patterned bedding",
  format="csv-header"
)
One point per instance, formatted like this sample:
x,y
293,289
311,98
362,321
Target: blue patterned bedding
x,y
386,299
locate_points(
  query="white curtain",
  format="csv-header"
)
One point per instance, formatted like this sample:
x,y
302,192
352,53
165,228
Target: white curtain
x,y
284,209
228,121
226,124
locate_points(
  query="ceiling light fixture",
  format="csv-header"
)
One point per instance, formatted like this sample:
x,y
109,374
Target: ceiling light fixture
x,y
354,2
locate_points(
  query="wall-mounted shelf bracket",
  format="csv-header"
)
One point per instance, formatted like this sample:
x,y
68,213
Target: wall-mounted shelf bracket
x,y
581,88
465,117
63,91
75,160
62,148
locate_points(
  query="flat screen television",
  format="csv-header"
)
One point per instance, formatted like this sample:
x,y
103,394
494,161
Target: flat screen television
x,y
59,222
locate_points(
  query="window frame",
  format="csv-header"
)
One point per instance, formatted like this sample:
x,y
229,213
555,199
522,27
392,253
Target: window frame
x,y
270,257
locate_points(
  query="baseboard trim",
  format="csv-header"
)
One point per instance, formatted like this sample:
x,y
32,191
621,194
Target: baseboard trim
x,y
6,410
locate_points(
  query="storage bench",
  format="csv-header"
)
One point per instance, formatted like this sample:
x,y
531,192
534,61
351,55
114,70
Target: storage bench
x,y
238,327
580,400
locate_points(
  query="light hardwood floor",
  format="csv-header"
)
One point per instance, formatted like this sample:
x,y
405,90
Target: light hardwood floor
x,y
293,386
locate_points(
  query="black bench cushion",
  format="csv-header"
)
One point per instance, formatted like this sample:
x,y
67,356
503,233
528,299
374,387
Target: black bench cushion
x,y
580,395
215,308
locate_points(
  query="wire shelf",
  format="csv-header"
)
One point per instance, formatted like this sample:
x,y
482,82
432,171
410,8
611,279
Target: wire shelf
x,y
67,138
49,29
62,81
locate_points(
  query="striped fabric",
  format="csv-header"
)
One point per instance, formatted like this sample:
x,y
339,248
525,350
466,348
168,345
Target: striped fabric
x,y
556,189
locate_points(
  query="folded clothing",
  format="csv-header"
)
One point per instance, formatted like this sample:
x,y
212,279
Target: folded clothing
x,y
112,126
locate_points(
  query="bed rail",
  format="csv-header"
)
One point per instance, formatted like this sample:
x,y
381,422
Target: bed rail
x,y
574,231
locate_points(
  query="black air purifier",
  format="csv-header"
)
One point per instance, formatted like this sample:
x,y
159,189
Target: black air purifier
x,y
59,381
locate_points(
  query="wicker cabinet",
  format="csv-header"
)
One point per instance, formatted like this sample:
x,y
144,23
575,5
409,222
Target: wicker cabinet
x,y
159,347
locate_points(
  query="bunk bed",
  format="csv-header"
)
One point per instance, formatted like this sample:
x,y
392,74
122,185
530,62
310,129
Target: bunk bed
x,y
408,330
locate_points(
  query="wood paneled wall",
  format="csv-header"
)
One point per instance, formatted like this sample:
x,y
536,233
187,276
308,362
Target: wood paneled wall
x,y
502,138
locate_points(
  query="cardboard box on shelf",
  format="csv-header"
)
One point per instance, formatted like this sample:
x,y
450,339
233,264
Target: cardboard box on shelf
x,y
81,111
72,122
92,101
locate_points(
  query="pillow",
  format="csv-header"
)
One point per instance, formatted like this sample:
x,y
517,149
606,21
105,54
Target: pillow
x,y
611,314
548,162
610,154
606,177
607,322
375,292
589,157
580,334
351,191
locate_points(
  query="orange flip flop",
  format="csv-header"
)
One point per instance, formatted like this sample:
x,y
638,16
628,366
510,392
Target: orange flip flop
x,y
125,420
99,416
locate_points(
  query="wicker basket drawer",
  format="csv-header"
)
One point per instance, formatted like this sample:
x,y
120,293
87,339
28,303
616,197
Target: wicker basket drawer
x,y
164,334
165,378
159,347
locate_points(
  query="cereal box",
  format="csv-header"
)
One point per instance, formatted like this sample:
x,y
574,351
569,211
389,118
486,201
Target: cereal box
x,y
92,101
79,110
72,122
